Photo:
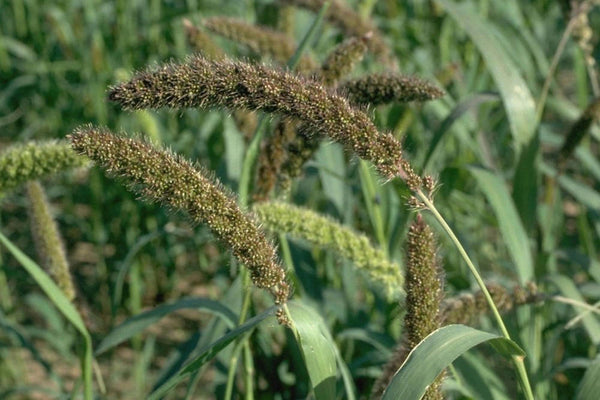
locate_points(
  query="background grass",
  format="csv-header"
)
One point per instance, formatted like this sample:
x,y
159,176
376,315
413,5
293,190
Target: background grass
x,y
56,61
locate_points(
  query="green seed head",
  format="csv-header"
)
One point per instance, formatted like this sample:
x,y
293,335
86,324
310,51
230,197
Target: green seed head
x,y
31,161
48,242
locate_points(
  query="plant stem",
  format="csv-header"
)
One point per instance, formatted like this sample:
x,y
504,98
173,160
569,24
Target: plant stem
x,y
517,360
373,206
559,51
244,190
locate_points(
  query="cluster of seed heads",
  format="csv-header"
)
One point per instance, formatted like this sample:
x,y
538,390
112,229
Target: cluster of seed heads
x,y
237,85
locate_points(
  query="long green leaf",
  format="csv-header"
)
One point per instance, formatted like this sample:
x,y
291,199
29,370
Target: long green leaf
x,y
63,304
317,350
456,113
582,193
208,352
510,225
589,387
436,352
517,99
138,323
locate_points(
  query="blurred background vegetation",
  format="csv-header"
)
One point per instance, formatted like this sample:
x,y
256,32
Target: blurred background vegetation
x,y
57,59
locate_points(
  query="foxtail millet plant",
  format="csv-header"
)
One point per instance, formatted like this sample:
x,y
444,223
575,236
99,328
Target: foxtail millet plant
x,y
370,90
272,157
25,162
342,59
48,243
321,231
158,175
424,292
223,83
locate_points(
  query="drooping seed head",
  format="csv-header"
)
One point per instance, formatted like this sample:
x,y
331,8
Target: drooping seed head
x,y
321,231
424,293
376,89
171,180
203,83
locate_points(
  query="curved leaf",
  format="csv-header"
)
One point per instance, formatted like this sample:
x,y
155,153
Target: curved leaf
x,y
62,303
589,387
456,113
510,225
317,349
208,352
517,99
567,287
438,350
134,325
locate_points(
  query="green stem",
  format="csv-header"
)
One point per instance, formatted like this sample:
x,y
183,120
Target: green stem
x,y
249,369
517,360
559,50
370,194
249,161
244,190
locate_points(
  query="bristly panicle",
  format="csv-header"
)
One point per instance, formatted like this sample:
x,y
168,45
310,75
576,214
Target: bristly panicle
x,y
465,308
299,150
343,58
203,83
48,242
261,40
35,160
321,231
349,22
379,89
173,181
424,293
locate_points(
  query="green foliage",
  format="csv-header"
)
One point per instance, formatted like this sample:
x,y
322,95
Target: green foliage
x,y
167,311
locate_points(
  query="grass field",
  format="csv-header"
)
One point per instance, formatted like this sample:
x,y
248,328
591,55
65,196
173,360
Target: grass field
x,y
500,130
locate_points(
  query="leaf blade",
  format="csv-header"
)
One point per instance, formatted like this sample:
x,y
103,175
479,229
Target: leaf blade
x,y
517,99
430,357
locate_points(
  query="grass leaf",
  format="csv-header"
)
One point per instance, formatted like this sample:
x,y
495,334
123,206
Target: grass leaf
x,y
510,225
134,325
208,352
518,102
437,351
62,303
568,289
317,349
589,387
